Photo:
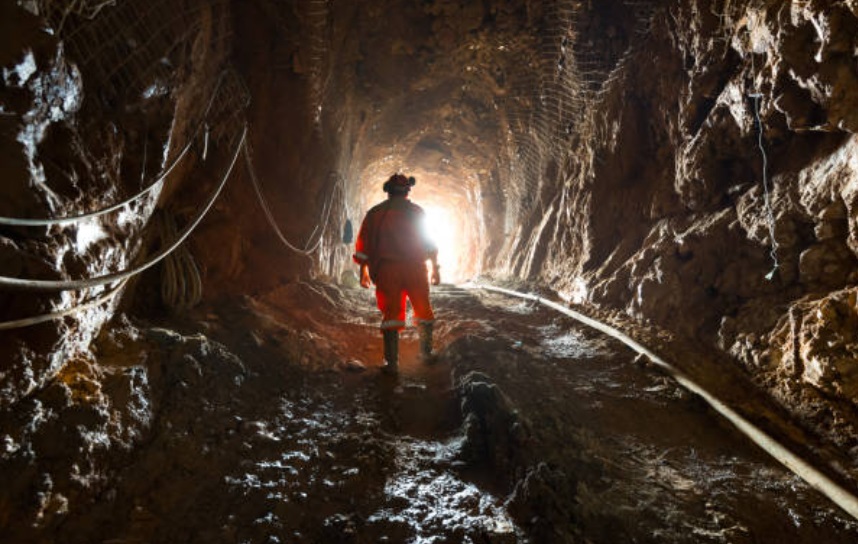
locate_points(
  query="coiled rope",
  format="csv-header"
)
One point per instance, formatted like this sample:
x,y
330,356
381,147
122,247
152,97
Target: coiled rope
x,y
65,285
157,182
801,468
326,211
181,284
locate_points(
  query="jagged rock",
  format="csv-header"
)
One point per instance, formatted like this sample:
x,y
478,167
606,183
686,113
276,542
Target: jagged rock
x,y
352,365
828,344
830,264
545,500
494,431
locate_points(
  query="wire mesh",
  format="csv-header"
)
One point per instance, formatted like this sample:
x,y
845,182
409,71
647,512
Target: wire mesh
x,y
58,11
316,24
121,47
227,116
553,83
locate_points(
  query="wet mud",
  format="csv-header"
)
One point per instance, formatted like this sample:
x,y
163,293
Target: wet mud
x,y
271,422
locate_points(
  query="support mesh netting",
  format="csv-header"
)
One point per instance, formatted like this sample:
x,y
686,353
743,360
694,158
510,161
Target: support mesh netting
x,y
316,17
122,47
555,83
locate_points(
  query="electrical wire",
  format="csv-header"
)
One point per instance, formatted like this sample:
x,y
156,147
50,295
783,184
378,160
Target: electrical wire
x,y
767,199
65,285
159,179
326,211
268,215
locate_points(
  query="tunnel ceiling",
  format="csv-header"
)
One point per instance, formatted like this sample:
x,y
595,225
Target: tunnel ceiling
x,y
482,98
424,81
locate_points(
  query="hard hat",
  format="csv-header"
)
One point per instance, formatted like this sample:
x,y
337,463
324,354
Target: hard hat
x,y
399,183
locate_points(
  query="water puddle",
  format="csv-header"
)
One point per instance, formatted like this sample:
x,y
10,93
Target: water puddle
x,y
569,343
430,500
343,470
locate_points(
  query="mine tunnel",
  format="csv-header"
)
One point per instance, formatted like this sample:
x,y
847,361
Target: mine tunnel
x,y
646,328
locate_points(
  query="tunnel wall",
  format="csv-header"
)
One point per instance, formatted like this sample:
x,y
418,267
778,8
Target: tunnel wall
x,y
98,99
96,104
658,202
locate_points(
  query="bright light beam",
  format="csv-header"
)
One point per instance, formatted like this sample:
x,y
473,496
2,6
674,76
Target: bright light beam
x,y
442,229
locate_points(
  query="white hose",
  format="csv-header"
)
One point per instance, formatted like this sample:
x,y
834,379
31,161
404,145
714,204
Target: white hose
x,y
44,318
65,285
269,215
816,479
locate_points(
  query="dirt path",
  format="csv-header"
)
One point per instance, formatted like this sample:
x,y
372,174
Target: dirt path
x,y
529,428
645,461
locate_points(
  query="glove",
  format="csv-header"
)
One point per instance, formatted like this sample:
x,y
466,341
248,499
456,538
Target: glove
x,y
365,282
436,275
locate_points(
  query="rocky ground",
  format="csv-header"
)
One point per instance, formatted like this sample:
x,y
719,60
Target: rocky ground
x,y
267,420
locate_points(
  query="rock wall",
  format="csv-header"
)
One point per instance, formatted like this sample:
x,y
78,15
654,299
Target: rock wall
x,y
96,100
710,188
85,128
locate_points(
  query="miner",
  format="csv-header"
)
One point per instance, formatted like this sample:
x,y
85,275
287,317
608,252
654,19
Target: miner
x,y
392,249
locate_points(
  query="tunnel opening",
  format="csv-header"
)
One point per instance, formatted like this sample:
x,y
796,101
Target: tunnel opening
x,y
453,221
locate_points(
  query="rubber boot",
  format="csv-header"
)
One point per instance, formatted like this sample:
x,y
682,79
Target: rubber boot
x,y
426,328
391,352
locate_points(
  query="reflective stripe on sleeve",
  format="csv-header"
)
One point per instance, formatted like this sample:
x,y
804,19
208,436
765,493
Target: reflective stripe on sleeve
x,y
361,256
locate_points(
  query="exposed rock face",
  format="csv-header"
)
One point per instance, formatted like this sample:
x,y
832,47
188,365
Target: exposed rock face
x,y
61,445
691,248
494,433
82,133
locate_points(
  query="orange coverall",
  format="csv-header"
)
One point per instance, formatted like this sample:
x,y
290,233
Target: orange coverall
x,y
392,242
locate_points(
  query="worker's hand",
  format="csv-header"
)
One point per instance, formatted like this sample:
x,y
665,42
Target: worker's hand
x,y
436,275
365,282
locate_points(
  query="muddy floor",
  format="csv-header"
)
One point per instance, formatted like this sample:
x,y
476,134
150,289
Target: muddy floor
x,y
272,423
